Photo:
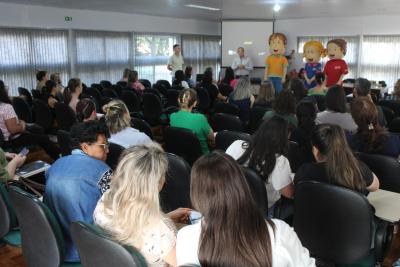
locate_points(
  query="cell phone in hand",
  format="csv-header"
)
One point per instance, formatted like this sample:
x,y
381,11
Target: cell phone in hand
x,y
24,152
195,217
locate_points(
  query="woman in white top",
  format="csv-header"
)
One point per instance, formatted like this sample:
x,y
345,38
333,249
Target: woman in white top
x,y
130,210
266,154
72,92
118,121
336,110
233,231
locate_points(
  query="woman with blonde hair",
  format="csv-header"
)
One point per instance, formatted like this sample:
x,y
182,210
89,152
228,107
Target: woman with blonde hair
x,y
118,121
130,210
266,95
243,98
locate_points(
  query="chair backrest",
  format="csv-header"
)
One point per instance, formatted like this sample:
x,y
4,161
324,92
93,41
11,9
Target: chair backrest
x,y
183,143
109,92
334,223
258,189
255,117
146,83
96,249
392,104
42,114
113,155
387,169
65,116
160,88
152,108
117,88
105,84
394,125
227,108
65,142
203,100
94,92
26,94
176,191
131,100
165,83
5,220
142,126
172,98
225,138
22,109
36,94
221,121
97,86
42,241
123,84
225,89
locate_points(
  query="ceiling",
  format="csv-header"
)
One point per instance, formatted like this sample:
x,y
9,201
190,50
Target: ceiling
x,y
230,9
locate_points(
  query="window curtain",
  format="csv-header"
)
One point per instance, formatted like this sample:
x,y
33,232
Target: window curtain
x,y
25,51
152,52
380,60
351,57
202,52
101,55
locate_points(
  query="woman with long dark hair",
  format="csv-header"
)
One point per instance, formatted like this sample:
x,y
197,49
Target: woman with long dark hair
x,y
266,153
284,106
180,80
72,93
233,231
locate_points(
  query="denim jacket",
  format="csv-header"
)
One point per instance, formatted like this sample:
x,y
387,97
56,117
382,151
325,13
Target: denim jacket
x,y
74,184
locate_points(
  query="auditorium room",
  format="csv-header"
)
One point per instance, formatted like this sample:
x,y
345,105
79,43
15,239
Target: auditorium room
x,y
214,133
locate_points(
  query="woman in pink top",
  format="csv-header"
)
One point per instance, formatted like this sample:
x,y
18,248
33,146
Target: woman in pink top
x,y
134,83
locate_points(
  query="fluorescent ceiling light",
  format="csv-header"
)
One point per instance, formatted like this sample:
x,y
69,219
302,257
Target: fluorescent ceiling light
x,y
204,7
277,7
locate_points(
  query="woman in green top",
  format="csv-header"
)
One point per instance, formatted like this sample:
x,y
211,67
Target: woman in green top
x,y
284,107
320,89
7,169
196,122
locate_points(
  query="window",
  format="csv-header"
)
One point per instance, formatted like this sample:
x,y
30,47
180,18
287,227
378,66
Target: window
x,y
351,55
380,60
202,52
23,52
151,55
102,55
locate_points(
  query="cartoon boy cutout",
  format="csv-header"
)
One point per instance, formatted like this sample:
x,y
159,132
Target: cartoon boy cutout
x,y
276,63
336,68
312,51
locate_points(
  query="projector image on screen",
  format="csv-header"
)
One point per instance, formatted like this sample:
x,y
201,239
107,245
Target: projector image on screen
x,y
251,35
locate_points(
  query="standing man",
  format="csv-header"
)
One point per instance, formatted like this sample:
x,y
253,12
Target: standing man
x,y
175,61
241,64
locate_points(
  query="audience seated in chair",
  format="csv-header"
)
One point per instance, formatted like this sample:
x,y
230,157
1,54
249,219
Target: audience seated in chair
x,y
243,98
298,89
284,107
266,95
196,122
188,76
179,80
320,89
210,85
232,231
41,77
75,183
49,93
72,93
229,78
86,110
133,82
133,200
371,137
268,158
118,121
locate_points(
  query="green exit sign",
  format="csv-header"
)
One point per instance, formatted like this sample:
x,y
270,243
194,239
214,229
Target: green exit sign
x,y
66,18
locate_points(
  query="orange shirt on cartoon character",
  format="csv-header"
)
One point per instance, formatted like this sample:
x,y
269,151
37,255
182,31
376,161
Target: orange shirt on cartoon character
x,y
276,63
336,68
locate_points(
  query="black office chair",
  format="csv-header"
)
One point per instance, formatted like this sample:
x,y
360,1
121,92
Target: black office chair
x,y
36,94
109,93
26,95
9,233
203,100
226,108
255,117
160,88
152,109
42,240
182,142
113,155
105,84
123,84
334,223
131,100
225,138
388,113
387,169
165,83
97,86
146,83
172,98
96,249
65,142
117,88
65,116
221,121
258,189
176,191
42,115
142,126
22,108
394,125
392,104
153,91
225,89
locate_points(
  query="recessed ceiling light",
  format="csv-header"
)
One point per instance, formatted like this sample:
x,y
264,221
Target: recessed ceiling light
x,y
277,7
204,7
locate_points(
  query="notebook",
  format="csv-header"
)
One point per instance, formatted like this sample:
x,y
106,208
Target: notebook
x,y
32,168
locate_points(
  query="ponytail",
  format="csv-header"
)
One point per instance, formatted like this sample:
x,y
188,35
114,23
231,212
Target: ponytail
x,y
187,98
70,89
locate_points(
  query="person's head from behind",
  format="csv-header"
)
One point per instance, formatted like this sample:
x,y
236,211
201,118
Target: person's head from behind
x,y
266,92
4,98
42,76
117,116
336,99
56,78
285,103
296,85
91,138
242,89
329,145
50,88
220,192
74,88
177,49
207,77
179,76
132,76
188,72
187,99
306,114
362,87
86,110
365,115
134,192
125,73
320,78
229,75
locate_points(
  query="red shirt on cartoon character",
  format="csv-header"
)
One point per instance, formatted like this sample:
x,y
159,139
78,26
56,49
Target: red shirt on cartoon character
x,y
336,68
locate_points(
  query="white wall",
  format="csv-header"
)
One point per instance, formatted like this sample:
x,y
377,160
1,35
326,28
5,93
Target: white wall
x,y
12,15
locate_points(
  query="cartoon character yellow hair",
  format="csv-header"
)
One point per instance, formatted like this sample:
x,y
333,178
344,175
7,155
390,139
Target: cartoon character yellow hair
x,y
316,44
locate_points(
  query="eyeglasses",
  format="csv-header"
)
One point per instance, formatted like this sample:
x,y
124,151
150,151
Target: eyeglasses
x,y
105,146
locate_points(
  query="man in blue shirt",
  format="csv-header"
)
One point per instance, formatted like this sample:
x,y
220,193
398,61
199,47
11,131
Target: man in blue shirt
x,y
76,182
